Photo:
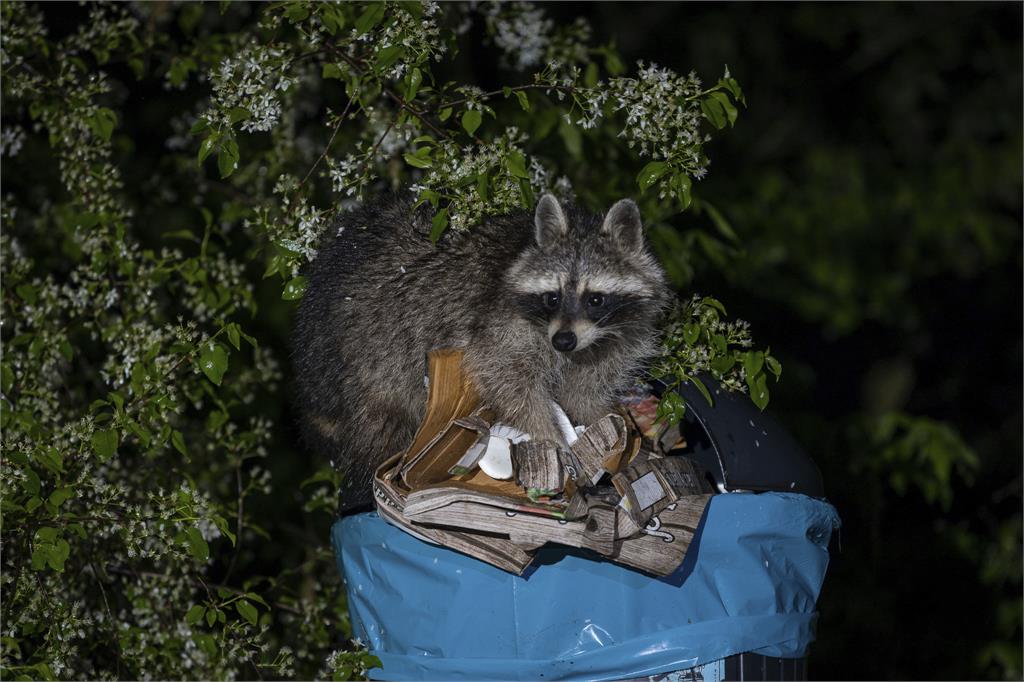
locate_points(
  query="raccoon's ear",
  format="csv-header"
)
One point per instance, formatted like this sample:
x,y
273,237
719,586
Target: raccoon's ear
x,y
549,221
623,224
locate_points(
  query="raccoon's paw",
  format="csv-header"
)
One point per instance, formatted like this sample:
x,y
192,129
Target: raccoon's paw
x,y
586,413
542,427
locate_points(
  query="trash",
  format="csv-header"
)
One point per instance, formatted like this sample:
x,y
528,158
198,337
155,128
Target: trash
x,y
540,470
465,484
497,461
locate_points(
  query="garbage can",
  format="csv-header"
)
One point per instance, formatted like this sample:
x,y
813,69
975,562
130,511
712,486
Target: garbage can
x,y
741,605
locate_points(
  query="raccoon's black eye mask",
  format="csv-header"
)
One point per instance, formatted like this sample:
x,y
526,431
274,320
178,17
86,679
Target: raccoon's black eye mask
x,y
620,309
599,307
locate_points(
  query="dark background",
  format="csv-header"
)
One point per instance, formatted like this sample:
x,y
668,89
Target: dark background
x,y
875,183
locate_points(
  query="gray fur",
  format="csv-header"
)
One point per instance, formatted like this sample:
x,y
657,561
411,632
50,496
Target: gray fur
x,y
623,223
380,296
549,222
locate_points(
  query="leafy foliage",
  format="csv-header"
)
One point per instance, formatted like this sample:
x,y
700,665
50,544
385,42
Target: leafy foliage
x,y
160,162
698,341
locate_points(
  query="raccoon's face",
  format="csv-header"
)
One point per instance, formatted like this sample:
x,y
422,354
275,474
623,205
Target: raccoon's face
x,y
587,284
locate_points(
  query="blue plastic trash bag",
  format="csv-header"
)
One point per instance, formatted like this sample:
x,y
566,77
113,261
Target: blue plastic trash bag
x,y
749,583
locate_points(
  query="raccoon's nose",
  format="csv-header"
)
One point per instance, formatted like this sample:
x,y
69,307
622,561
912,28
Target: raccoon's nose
x,y
564,341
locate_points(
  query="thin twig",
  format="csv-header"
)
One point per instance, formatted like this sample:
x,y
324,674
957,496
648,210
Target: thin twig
x,y
396,98
514,88
337,127
420,115
240,517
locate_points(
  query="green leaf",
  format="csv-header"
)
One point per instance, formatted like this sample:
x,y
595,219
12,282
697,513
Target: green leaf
x,y
138,67
236,114
102,122
197,546
723,363
483,183
370,17
517,164
471,119
60,496
428,195
222,526
424,139
702,388
413,80
613,63
178,441
524,101
215,420
774,366
47,534
31,483
332,71
26,292
51,459
727,105
671,408
445,113
104,443
650,173
247,611
691,332
438,225
194,614
296,12
682,184
294,289
211,617
417,161
388,56
56,554
40,554
206,147
714,303
213,361
526,198
713,111
571,138
234,335
412,7
227,158
721,224
258,599
141,433
753,361
6,378
332,19
758,390
734,89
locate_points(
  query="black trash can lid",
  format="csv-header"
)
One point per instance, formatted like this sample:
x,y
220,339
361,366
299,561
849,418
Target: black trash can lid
x,y
742,447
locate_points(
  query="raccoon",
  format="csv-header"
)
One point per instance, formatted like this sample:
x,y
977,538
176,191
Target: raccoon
x,y
561,305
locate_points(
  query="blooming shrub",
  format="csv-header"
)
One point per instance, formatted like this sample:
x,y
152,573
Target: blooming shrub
x,y
168,171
